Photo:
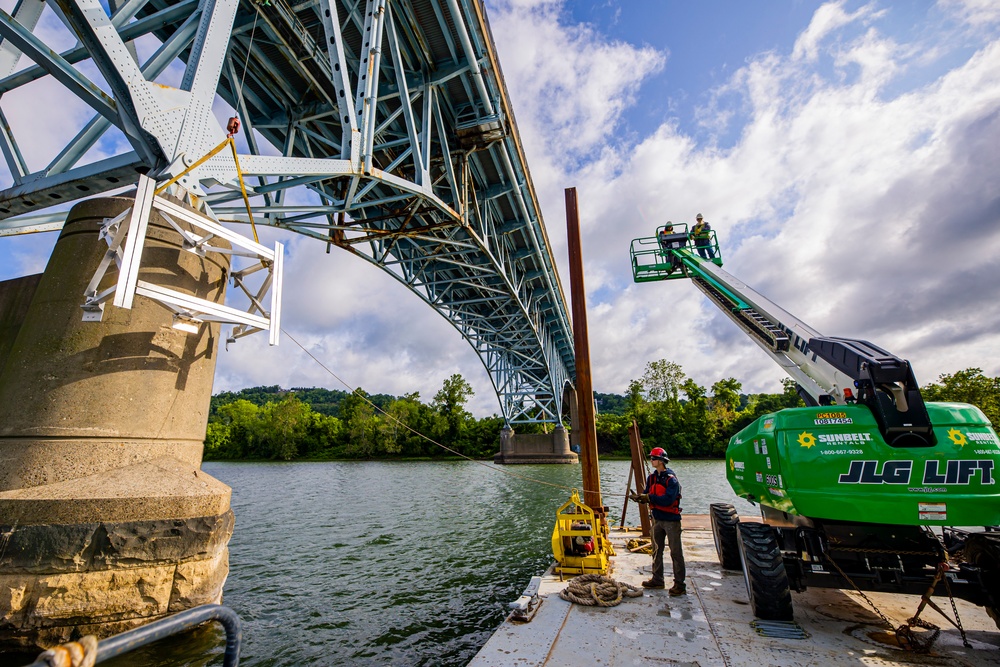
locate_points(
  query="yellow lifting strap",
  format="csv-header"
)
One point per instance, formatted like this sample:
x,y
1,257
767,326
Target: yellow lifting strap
x,y
239,174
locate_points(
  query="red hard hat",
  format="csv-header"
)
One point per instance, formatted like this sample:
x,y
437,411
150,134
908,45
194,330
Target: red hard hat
x,y
659,453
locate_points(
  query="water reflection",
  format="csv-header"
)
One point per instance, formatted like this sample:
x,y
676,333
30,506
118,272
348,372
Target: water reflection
x,y
375,563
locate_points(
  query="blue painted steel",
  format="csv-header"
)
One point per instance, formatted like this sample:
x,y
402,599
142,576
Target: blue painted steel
x,y
407,142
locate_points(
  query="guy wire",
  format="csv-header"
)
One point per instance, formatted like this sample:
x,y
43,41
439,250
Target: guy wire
x,y
427,438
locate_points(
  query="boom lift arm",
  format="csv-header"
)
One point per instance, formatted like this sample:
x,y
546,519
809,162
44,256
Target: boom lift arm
x,y
828,371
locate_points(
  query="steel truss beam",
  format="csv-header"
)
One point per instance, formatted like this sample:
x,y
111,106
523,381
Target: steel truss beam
x,y
391,113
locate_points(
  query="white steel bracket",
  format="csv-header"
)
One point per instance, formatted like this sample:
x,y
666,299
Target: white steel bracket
x,y
125,235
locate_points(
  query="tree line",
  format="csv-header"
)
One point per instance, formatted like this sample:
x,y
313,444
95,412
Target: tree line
x,y
671,409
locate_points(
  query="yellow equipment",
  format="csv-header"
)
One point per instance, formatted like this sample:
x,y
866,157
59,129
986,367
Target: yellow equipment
x,y
580,541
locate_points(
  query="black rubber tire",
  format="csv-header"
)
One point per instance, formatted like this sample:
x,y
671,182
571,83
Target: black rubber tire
x,y
982,551
764,573
726,534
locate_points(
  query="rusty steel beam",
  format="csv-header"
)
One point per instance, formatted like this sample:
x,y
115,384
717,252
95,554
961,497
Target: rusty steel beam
x,y
581,343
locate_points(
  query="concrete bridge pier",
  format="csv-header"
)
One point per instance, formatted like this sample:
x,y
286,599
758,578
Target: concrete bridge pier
x,y
535,447
106,520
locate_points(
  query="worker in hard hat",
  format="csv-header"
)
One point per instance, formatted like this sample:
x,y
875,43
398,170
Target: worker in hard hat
x,y
669,239
663,493
702,235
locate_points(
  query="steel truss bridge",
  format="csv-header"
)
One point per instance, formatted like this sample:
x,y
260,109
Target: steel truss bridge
x,y
390,118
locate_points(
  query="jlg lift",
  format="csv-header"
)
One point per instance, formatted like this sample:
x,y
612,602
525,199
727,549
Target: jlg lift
x,y
852,487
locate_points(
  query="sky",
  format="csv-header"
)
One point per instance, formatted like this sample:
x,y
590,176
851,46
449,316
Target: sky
x,y
846,153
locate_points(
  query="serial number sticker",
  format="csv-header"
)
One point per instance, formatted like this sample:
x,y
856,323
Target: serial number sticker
x,y
836,420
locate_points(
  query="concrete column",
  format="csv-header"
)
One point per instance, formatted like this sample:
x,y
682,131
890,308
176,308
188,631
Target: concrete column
x,y
560,441
106,520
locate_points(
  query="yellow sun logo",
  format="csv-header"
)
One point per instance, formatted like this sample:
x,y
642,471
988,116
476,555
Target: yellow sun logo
x,y
807,440
957,437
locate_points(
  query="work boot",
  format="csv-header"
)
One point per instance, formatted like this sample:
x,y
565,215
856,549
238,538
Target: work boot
x,y
653,583
678,589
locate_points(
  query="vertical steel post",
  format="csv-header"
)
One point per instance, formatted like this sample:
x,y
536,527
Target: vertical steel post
x,y
639,474
584,387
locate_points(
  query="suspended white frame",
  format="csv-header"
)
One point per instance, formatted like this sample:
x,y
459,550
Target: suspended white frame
x,y
131,226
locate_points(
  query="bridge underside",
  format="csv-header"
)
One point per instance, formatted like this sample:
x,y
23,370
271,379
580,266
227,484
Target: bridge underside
x,y
378,126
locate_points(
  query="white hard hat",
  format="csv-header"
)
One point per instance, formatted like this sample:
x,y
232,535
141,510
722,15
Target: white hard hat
x,y
698,217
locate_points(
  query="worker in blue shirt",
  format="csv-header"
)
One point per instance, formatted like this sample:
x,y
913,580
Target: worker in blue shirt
x,y
663,493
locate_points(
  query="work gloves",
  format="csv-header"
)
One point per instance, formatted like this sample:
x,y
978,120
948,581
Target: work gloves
x,y
639,497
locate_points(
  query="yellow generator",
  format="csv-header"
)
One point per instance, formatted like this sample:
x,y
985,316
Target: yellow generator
x,y
580,541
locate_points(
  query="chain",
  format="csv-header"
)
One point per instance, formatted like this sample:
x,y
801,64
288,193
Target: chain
x,y
893,552
954,608
904,636
878,611
947,587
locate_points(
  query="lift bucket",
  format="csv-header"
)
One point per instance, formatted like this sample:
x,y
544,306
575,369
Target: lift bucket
x,y
664,256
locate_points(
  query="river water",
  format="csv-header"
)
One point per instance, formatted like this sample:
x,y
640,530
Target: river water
x,y
365,563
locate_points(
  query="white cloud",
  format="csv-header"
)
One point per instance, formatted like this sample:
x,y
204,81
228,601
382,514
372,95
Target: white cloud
x,y
858,200
866,214
572,84
827,19
980,13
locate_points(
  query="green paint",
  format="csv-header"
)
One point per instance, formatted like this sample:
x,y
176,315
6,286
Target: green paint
x,y
832,463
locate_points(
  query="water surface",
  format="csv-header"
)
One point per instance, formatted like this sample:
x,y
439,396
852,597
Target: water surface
x,y
381,563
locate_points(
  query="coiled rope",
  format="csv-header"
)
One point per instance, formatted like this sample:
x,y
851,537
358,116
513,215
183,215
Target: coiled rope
x,y
73,654
597,590
640,545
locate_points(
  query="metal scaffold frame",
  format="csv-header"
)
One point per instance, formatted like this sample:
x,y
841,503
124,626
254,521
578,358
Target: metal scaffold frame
x,y
391,115
125,235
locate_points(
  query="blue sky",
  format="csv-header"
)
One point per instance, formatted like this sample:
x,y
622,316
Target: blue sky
x,y
845,152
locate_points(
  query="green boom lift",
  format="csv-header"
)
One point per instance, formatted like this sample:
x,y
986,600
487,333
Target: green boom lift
x,y
868,486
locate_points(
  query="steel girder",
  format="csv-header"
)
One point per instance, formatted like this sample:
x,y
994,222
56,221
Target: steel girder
x,y
391,113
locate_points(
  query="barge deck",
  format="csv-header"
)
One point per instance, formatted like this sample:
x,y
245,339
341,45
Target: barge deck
x,y
713,623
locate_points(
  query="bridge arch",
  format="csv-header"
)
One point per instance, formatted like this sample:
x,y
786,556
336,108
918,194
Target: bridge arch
x,y
391,117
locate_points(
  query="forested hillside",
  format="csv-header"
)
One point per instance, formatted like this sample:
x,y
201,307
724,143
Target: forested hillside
x,y
672,410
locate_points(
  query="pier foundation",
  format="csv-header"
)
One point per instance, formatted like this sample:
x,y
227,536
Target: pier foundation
x,y
106,519
535,447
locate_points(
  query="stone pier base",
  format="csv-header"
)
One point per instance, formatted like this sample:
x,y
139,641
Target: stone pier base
x,y
106,519
535,447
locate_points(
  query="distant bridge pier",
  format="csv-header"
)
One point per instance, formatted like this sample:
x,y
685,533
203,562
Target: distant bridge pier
x,y
106,520
554,447
534,447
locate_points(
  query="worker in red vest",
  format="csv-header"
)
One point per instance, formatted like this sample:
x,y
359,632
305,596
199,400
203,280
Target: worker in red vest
x,y
663,493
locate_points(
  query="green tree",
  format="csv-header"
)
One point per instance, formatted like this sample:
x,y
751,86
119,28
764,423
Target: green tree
x,y
694,433
723,413
636,402
282,428
450,402
360,425
240,420
968,386
217,443
663,380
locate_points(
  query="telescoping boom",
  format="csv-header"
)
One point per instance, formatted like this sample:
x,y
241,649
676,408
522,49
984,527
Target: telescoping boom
x,y
827,370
